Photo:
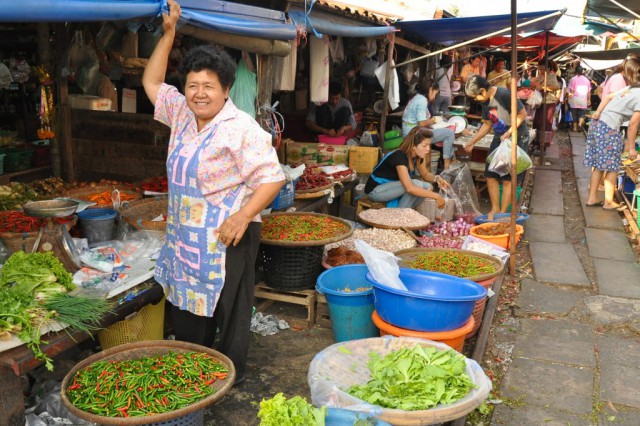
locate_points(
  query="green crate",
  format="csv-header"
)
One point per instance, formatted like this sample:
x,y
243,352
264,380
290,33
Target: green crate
x,y
16,159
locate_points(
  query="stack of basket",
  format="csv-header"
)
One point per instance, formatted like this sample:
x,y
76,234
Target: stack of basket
x,y
145,214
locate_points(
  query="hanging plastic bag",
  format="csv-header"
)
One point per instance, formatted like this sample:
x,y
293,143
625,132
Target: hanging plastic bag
x,y
245,89
463,188
568,117
87,66
382,265
500,159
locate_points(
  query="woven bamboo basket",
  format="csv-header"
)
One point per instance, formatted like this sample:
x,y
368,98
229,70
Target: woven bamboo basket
x,y
140,213
24,241
295,265
150,348
84,192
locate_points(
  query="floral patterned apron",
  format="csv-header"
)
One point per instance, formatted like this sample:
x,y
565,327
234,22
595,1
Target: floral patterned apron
x,y
191,265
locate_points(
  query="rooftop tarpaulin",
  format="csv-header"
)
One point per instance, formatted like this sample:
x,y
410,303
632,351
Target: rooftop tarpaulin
x,y
211,14
607,55
454,29
319,22
611,10
534,41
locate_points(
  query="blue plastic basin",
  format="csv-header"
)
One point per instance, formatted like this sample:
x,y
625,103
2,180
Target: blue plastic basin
x,y
502,217
342,417
433,302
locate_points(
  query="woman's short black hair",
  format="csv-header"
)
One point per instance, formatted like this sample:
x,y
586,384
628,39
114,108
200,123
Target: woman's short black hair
x,y
207,57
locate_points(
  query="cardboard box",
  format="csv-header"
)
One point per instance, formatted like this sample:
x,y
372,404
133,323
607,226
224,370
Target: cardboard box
x,y
302,152
363,159
89,102
330,155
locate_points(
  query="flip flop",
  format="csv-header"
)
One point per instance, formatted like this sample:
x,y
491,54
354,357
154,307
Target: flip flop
x,y
597,204
618,209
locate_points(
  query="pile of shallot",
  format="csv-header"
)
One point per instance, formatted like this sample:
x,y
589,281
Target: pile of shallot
x,y
438,241
455,228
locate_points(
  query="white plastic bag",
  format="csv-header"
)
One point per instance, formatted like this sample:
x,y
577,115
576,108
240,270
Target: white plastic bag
x,y
500,159
382,265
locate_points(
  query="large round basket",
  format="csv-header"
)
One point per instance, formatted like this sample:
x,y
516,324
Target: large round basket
x,y
84,192
187,416
385,226
295,265
485,280
140,213
344,364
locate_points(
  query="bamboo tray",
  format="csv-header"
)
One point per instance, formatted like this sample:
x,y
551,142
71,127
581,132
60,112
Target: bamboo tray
x,y
411,253
140,213
314,190
383,226
308,243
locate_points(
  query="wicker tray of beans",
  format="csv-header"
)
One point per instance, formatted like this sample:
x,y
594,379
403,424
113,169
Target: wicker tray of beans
x,y
303,229
394,218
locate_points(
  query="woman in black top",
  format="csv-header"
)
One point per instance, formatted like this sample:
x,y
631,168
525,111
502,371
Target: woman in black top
x,y
496,115
392,179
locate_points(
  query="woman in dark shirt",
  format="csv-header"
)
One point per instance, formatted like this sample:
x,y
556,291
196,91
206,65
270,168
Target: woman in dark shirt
x,y
392,179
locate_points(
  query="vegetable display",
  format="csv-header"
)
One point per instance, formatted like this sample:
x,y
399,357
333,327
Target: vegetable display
x,y
311,178
296,411
498,228
453,263
343,256
457,228
301,228
17,221
156,184
438,241
38,274
149,385
415,378
103,198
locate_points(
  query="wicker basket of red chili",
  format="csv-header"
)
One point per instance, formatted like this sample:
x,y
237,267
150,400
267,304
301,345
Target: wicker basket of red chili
x,y
292,246
145,383
19,231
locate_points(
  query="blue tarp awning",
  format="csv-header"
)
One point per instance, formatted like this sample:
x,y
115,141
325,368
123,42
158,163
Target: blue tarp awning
x,y
461,29
320,22
217,15
605,8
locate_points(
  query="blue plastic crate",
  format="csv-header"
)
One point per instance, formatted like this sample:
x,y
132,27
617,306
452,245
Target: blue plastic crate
x,y
285,197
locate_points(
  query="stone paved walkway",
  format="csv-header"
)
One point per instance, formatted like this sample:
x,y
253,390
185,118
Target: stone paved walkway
x,y
576,359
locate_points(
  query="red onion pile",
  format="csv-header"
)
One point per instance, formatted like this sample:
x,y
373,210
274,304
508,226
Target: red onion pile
x,y
456,228
440,242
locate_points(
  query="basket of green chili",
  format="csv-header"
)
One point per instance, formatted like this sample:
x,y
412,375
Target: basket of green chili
x,y
145,383
474,266
292,246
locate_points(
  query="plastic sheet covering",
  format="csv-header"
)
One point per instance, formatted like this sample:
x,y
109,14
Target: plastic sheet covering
x,y
463,190
285,70
344,364
333,25
227,17
244,91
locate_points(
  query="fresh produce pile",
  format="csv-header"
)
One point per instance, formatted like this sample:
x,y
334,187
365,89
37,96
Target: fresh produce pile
x,y
49,187
15,194
17,221
33,291
101,182
296,411
149,385
415,378
440,241
494,229
156,184
343,256
455,228
342,174
453,263
396,218
312,177
301,228
390,240
103,198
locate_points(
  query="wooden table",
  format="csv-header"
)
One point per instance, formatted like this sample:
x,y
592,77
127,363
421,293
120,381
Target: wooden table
x,y
322,204
18,361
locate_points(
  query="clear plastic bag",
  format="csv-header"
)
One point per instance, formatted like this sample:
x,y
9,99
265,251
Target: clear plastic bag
x,y
463,189
500,159
382,265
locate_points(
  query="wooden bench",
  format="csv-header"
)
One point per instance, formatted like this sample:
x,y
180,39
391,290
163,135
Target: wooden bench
x,y
303,298
364,203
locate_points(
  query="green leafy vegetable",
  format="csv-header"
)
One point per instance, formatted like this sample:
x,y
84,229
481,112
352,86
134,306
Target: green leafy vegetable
x,y
416,378
296,411
35,273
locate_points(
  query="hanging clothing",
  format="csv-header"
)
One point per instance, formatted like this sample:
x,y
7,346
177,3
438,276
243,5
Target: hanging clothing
x,y
319,63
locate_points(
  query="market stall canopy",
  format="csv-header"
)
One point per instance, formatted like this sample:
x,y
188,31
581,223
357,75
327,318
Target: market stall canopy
x,y
571,26
320,22
609,9
217,15
453,29
533,41
607,55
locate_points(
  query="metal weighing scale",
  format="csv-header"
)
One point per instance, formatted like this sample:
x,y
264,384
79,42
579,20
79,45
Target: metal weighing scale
x,y
55,237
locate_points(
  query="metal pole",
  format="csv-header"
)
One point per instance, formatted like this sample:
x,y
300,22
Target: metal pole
x,y
514,136
387,83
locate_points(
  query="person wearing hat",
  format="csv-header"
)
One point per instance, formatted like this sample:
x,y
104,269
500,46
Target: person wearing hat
x,y
443,76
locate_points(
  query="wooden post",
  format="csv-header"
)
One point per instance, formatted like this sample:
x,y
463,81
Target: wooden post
x,y
62,147
385,110
514,135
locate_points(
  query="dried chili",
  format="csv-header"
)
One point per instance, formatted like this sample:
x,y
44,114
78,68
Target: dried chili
x,y
156,184
17,221
301,228
452,263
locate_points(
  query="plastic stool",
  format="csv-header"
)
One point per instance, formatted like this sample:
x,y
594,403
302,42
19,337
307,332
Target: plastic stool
x,y
636,193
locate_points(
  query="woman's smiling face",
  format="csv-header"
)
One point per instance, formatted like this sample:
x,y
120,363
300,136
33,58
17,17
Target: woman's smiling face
x,y
205,95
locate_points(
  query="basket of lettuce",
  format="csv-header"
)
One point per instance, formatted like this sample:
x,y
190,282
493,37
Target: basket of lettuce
x,y
401,380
